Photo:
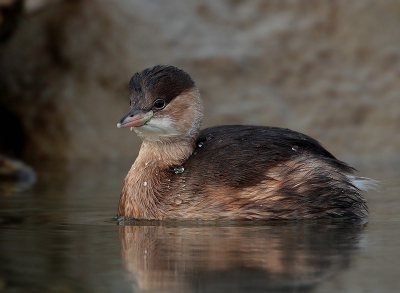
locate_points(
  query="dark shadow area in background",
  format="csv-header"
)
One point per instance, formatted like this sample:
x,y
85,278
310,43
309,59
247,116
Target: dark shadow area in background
x,y
12,134
10,12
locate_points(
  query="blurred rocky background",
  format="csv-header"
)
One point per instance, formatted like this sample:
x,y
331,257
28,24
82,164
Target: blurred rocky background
x,y
329,69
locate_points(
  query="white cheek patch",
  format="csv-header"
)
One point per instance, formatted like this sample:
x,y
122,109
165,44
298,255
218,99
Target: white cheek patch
x,y
157,127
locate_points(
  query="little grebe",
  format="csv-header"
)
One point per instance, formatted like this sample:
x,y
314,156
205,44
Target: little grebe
x,y
225,172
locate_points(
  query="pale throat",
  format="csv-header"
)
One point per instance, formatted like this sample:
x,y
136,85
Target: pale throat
x,y
157,129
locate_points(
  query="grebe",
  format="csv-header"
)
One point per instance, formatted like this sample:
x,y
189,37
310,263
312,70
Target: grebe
x,y
224,172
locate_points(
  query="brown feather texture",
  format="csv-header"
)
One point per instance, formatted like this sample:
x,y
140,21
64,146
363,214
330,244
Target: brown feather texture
x,y
234,172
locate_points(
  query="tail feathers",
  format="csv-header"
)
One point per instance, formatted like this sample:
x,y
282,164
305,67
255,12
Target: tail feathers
x,y
364,183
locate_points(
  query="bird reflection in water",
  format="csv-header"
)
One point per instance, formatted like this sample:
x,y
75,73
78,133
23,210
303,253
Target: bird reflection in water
x,y
284,257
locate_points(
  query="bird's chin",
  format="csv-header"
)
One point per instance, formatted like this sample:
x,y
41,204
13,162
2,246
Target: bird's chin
x,y
157,129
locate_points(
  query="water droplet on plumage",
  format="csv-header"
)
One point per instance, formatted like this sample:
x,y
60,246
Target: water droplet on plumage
x,y
178,201
302,137
209,137
179,169
295,148
121,221
145,183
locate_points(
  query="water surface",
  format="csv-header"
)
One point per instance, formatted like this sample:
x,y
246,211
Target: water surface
x,y
60,236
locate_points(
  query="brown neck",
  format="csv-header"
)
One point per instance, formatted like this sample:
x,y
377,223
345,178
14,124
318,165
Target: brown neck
x,y
142,190
164,154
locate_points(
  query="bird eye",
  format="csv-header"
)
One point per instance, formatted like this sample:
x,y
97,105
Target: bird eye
x,y
159,104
